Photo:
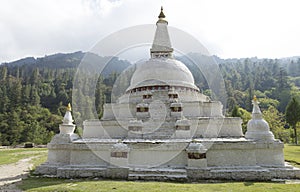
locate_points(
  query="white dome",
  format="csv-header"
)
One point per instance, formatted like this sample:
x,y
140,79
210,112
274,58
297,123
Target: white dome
x,y
257,127
162,71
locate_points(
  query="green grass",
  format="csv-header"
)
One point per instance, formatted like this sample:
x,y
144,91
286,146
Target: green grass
x,y
8,156
40,158
292,154
50,184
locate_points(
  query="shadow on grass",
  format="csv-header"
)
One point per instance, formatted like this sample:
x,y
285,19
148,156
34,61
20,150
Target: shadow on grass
x,y
293,144
39,182
248,183
14,178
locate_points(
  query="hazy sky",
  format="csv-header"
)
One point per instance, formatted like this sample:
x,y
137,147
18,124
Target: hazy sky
x,y
227,28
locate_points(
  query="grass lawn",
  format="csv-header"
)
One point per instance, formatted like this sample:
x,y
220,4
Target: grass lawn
x,y
50,184
8,156
292,154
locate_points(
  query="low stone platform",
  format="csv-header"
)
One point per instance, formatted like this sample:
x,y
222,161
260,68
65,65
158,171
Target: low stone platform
x,y
244,173
158,174
253,173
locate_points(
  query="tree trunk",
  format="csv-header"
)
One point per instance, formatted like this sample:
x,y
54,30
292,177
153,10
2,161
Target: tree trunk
x,y
295,132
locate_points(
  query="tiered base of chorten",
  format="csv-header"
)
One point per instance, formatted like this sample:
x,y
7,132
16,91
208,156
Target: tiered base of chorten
x,y
168,160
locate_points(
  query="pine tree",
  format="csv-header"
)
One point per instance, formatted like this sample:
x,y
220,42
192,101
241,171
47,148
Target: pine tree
x,y
15,127
15,94
99,97
3,73
292,114
34,96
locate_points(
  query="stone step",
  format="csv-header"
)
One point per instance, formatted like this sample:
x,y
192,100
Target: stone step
x,y
158,174
159,130
157,136
167,171
239,170
81,171
158,177
150,137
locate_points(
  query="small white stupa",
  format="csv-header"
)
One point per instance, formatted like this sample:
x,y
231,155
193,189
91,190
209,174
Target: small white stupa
x,y
67,127
257,128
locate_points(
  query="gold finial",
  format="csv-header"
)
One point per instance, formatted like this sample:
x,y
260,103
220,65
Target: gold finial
x,y
161,15
254,98
69,108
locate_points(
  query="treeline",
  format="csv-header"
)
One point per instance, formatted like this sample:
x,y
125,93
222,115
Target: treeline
x,y
275,82
33,95
269,79
22,116
34,92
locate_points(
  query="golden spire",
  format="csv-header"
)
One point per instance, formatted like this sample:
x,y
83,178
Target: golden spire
x,y
254,98
69,108
161,15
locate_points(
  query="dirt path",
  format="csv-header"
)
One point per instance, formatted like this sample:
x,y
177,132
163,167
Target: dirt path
x,y
12,173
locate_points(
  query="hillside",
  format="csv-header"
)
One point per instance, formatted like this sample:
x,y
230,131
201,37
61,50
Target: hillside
x,y
34,91
66,61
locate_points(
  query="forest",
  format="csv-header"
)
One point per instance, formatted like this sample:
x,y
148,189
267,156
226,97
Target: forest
x,y
34,93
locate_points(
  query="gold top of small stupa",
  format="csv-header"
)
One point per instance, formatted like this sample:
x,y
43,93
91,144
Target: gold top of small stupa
x,y
69,108
254,98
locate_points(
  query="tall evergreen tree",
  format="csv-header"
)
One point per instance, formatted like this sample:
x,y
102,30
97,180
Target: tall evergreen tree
x,y
292,114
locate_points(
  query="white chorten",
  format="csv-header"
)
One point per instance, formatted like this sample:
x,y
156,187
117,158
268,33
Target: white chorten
x,y
68,119
67,127
163,128
257,127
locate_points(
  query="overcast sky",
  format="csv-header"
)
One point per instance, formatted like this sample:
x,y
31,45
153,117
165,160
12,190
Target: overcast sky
x,y
227,28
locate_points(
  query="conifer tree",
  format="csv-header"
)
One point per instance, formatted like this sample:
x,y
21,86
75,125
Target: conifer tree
x,y
292,114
